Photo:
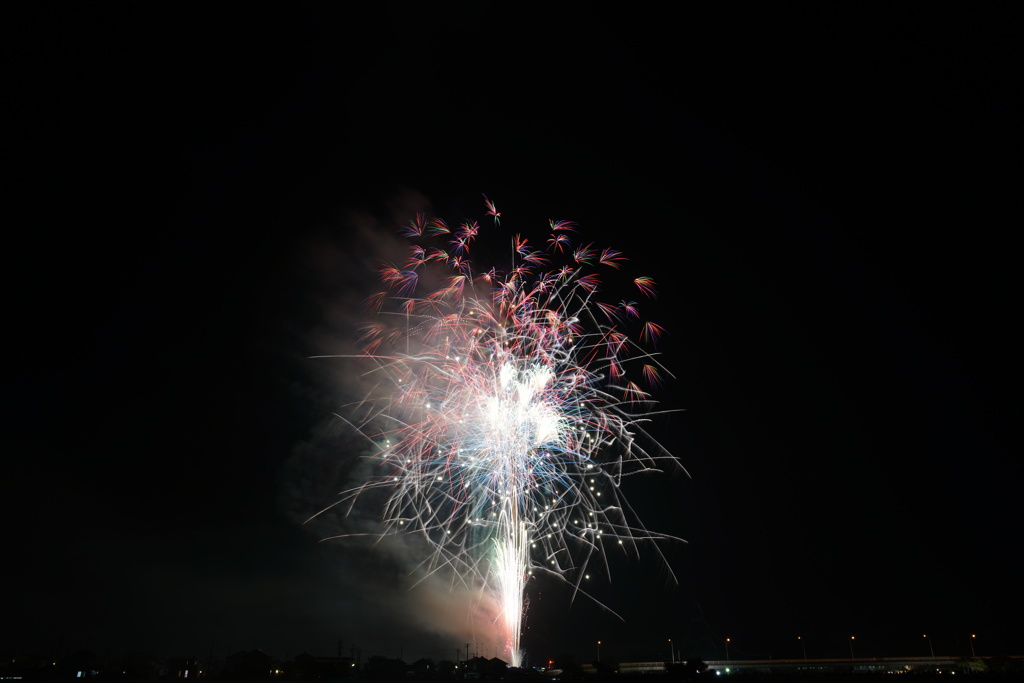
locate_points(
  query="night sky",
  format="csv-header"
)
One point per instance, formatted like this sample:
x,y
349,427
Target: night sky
x,y
195,201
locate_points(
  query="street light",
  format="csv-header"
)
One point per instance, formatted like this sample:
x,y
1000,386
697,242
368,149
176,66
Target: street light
x,y
852,638
803,647
599,652
727,641
930,649
972,645
671,651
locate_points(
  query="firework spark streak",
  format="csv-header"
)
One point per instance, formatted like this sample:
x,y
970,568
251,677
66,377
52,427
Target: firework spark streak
x,y
512,405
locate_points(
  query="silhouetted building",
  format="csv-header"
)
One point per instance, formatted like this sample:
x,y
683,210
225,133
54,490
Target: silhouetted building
x,y
254,665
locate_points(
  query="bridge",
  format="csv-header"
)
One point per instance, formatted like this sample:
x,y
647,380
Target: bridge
x,y
858,665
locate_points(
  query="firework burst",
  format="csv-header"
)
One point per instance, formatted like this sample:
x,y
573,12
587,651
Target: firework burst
x,y
513,404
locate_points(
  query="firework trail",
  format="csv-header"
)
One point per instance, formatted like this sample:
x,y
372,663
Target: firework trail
x,y
511,406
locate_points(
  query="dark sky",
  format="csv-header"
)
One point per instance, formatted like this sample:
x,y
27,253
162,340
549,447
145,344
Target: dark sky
x,y
829,198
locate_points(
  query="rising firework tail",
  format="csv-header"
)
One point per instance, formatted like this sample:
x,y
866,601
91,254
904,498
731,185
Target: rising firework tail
x,y
513,405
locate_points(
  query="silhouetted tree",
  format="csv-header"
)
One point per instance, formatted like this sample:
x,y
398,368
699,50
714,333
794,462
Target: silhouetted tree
x,y
687,671
446,669
82,660
139,666
694,667
382,667
972,666
1004,665
254,665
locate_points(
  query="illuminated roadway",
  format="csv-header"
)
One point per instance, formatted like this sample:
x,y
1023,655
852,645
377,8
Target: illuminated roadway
x,y
859,665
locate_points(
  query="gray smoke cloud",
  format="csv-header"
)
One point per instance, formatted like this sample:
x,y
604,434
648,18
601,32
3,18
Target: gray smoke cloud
x,y
391,592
